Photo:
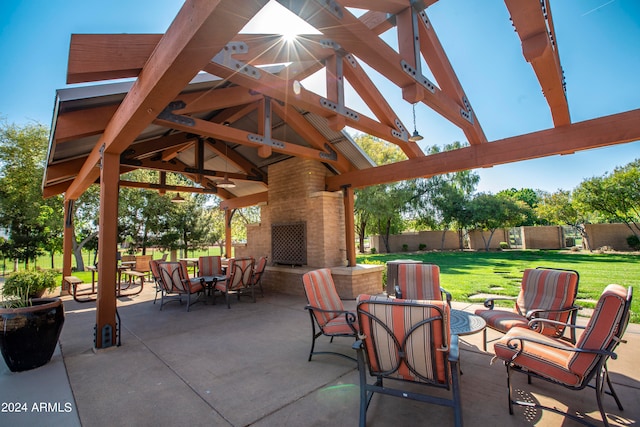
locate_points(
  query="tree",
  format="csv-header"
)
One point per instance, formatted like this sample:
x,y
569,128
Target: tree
x,y
615,196
490,212
561,208
23,212
529,199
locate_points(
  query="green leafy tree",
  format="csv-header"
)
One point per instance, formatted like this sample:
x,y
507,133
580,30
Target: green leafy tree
x,y
561,208
529,199
490,212
23,212
615,196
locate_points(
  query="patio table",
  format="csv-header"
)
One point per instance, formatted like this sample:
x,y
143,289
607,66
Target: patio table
x,y
465,323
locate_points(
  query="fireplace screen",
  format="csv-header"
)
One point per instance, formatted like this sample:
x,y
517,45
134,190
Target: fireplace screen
x,y
289,243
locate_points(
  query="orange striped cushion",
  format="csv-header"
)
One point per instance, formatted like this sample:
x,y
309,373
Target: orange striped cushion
x,y
419,281
547,290
548,362
209,265
321,293
502,320
599,331
422,346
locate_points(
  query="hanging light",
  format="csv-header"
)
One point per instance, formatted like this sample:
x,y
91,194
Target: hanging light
x,y
178,198
226,182
415,137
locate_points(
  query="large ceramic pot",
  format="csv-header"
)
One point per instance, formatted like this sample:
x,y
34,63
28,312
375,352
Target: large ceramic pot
x,y
28,335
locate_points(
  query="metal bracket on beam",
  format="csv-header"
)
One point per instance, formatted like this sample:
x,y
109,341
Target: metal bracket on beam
x,y
167,114
467,113
259,139
225,58
400,132
331,155
334,8
423,17
418,77
339,109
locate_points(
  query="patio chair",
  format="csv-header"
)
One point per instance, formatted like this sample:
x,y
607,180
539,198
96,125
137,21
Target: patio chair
x,y
258,271
548,293
176,282
154,266
420,281
407,341
210,265
573,366
142,265
237,281
326,310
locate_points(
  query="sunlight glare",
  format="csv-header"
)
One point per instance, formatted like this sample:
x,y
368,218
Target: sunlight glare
x,y
276,19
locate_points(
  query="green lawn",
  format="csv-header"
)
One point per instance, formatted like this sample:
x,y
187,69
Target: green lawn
x,y
465,274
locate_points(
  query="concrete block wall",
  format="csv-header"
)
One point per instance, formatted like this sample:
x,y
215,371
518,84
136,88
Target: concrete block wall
x,y
476,241
614,235
433,240
546,237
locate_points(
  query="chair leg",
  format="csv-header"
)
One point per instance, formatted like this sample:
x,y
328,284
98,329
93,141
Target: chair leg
x,y
611,390
599,388
484,339
313,336
363,388
509,389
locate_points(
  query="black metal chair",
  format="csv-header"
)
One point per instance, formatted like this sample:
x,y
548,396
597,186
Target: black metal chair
x,y
410,341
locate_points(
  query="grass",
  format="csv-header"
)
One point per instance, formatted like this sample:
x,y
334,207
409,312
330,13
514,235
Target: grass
x,y
465,274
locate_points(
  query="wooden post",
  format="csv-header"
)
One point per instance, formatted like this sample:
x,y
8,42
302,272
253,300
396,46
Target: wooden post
x,y
67,245
228,214
349,226
106,328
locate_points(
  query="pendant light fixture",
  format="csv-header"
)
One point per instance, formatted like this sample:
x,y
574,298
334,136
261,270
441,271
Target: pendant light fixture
x,y
178,198
226,182
415,137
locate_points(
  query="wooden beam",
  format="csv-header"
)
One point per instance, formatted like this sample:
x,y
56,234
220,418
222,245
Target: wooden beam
x,y
600,132
246,201
200,30
539,47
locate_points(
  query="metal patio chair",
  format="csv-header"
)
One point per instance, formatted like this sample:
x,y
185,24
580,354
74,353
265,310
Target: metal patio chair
x,y
420,281
176,283
326,310
237,281
407,341
573,366
548,293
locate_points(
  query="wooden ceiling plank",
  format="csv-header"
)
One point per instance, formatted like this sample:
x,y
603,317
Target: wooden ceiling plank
x,y
200,30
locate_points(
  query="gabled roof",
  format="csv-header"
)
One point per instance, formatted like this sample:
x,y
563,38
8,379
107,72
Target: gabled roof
x,y
208,100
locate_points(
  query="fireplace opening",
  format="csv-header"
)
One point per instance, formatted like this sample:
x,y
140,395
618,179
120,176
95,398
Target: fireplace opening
x,y
289,243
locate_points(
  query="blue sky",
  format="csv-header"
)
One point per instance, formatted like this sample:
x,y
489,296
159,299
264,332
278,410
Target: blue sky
x,y
598,43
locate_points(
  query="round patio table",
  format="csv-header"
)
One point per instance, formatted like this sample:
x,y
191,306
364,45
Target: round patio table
x,y
465,323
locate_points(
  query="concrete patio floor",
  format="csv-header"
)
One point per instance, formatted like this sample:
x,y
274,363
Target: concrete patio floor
x,y
248,366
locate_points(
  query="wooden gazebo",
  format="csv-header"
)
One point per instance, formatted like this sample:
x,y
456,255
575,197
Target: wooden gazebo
x,y
209,102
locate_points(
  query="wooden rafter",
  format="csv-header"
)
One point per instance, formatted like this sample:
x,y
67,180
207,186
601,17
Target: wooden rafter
x,y
192,39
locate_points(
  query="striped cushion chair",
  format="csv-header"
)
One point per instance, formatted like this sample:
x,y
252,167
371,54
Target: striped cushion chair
x,y
326,310
176,282
571,365
407,340
547,293
154,266
420,281
237,281
209,265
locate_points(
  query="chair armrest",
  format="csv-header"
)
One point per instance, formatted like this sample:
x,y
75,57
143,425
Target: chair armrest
x,y
349,316
454,349
447,295
531,314
489,302
533,323
398,292
518,342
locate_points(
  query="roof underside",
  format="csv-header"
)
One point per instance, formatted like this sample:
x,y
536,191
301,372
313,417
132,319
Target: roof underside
x,y
205,100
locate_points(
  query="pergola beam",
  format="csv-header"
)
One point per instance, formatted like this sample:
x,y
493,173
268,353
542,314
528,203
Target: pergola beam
x,y
195,36
600,132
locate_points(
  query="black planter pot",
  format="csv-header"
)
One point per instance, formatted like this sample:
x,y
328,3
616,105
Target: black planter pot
x,y
28,335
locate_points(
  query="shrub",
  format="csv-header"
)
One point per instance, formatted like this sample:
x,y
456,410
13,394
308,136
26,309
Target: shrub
x,y
634,242
405,247
33,282
422,247
504,245
373,251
